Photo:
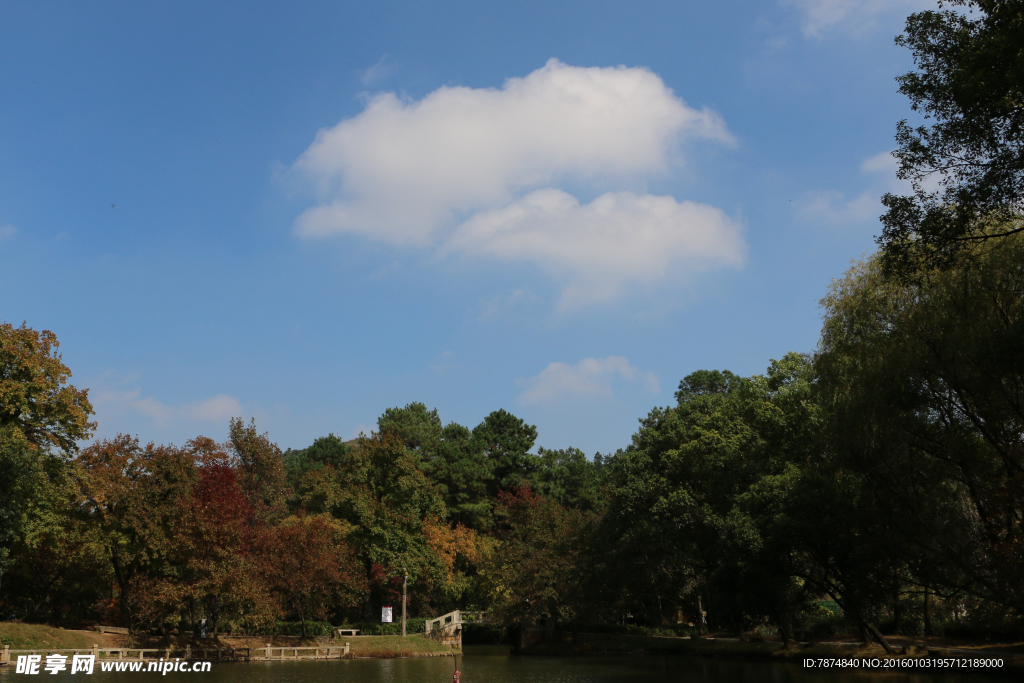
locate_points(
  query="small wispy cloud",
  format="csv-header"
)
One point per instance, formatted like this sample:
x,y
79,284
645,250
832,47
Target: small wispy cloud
x,y
7,231
834,208
219,408
818,17
378,72
495,305
591,377
444,363
831,207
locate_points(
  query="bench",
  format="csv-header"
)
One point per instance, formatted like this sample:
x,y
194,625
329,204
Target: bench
x,y
339,632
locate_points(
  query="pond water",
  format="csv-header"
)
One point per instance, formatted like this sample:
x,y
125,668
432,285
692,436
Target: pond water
x,y
494,664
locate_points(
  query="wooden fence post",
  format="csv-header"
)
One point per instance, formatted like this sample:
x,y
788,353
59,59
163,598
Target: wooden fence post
x,y
95,650
7,654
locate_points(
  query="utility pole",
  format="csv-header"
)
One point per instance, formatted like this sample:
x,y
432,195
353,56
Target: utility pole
x,y
405,585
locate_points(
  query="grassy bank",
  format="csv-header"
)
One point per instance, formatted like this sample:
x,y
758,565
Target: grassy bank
x,y
413,645
384,647
30,636
38,636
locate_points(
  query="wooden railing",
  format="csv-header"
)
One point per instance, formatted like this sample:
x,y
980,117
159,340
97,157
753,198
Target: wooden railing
x,y
266,653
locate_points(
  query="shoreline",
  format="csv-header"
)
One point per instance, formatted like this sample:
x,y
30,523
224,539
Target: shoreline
x,y
43,639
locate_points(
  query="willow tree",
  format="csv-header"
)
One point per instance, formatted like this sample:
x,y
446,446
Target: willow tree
x,y
923,388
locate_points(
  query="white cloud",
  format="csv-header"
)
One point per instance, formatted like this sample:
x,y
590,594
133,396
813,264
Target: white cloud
x,y
474,172
219,408
401,171
7,231
591,377
599,247
852,16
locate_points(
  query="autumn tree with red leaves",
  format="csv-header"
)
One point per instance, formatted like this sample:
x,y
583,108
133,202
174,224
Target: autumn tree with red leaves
x,y
311,568
216,551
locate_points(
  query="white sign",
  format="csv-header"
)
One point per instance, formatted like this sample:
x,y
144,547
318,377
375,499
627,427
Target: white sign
x,y
385,616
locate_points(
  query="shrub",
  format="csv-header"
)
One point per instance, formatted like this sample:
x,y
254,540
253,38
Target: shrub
x,y
375,628
294,628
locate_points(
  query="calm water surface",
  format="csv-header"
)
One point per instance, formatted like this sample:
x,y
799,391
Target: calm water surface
x,y
483,664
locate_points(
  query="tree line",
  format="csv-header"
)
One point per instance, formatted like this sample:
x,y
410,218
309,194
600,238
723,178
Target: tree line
x,y
884,470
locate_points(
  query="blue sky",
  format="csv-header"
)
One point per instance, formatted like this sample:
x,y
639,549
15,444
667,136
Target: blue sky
x,y
309,212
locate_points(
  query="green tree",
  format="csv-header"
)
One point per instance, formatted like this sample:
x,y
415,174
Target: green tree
x,y
50,568
42,418
326,450
696,497
20,479
462,472
568,478
968,81
261,465
454,461
418,427
507,440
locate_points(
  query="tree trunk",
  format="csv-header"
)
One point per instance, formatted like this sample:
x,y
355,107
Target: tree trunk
x,y
215,615
786,630
549,623
865,634
877,635
927,613
897,613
